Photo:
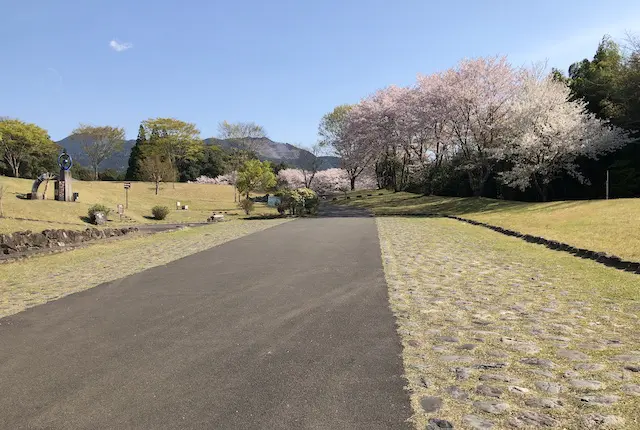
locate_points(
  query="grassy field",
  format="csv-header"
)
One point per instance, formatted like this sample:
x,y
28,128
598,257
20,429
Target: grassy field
x,y
611,226
202,199
30,282
506,334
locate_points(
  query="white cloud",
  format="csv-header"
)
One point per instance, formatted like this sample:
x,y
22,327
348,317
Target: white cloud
x,y
119,47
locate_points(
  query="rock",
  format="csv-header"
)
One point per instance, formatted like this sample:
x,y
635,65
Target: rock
x,y
413,343
499,377
634,369
462,373
492,406
572,355
631,389
526,347
457,358
620,375
596,421
540,362
518,390
431,404
489,391
544,373
436,424
477,423
547,403
448,339
630,358
99,218
498,354
549,387
534,419
468,346
456,392
605,400
590,367
424,382
586,385
486,366
571,374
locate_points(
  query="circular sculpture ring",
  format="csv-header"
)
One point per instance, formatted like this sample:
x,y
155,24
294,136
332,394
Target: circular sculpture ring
x,y
65,161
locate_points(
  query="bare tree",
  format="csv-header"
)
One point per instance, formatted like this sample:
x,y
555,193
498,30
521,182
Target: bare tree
x,y
156,168
311,165
99,143
246,137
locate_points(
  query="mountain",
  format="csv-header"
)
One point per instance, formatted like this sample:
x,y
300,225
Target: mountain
x,y
277,152
267,150
118,161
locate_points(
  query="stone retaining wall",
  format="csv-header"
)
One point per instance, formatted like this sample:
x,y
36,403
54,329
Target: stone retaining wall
x,y
22,241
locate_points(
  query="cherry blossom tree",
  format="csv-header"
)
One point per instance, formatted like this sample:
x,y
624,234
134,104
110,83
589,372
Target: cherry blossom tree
x,y
478,98
551,132
344,131
291,179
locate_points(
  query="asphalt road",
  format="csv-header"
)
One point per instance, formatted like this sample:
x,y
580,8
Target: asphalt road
x,y
288,328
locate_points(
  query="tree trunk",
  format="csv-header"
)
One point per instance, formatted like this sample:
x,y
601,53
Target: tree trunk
x,y
15,168
353,182
541,189
157,186
95,171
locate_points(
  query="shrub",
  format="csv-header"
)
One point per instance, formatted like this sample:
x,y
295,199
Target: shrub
x,y
160,212
246,205
95,209
299,202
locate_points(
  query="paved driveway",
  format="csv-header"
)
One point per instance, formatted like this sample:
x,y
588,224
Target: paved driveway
x,y
286,328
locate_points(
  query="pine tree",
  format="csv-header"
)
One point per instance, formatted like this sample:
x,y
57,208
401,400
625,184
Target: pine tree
x,y
133,171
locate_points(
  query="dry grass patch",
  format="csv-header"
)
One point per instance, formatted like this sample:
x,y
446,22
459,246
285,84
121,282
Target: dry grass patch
x,y
611,226
511,333
202,199
34,281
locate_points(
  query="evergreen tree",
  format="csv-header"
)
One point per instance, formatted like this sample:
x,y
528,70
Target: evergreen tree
x,y
133,171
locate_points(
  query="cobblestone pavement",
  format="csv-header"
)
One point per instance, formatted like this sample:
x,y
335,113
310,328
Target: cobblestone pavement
x,y
502,334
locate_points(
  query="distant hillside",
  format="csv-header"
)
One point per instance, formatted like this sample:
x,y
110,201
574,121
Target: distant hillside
x,y
118,161
267,149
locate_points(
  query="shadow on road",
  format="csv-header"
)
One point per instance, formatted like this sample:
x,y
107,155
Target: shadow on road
x,y
329,210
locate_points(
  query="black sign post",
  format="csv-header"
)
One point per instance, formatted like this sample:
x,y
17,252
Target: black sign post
x,y
127,185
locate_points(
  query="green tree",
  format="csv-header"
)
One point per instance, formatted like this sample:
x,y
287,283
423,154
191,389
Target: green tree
x,y
155,165
246,138
99,143
177,140
133,170
255,176
21,142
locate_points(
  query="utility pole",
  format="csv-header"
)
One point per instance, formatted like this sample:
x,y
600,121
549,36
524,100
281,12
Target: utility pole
x,y
607,190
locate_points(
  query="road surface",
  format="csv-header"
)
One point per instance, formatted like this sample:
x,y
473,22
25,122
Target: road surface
x,y
288,328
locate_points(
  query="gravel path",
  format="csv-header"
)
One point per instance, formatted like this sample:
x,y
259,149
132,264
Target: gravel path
x,y
502,334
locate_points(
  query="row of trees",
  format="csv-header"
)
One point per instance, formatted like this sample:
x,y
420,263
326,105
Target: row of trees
x,y
166,149
486,121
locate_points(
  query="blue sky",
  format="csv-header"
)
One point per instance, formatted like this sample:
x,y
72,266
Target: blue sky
x,y
282,64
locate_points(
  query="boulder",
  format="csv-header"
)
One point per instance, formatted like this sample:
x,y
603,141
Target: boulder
x,y
99,218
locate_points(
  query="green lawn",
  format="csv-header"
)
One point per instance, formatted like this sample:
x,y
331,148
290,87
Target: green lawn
x,y
476,309
202,200
611,226
29,282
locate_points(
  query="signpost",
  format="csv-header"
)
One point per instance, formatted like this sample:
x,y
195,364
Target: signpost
x,y
120,211
127,185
